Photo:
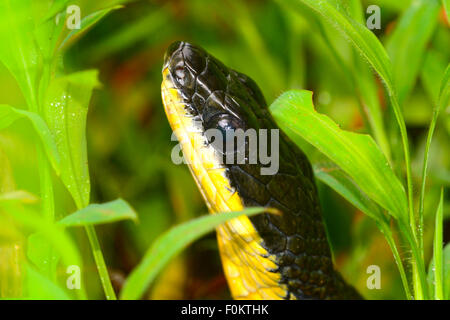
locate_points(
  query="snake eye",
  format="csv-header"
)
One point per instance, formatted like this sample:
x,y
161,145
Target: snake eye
x,y
180,74
221,131
184,77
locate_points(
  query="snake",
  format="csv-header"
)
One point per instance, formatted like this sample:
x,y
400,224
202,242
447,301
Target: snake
x,y
267,256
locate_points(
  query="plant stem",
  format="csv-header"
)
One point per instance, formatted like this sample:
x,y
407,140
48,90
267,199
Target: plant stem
x,y
417,263
398,260
419,281
404,136
100,262
424,174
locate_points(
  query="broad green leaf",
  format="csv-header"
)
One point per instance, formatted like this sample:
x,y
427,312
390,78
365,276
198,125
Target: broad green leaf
x,y
47,34
9,114
170,244
339,181
52,232
100,213
18,51
356,154
437,250
88,22
57,7
39,287
65,110
408,42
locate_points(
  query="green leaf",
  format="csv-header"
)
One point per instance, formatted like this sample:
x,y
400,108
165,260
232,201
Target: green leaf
x,y
39,287
445,273
42,254
9,114
65,110
18,51
54,234
357,154
57,7
408,42
170,244
19,195
339,181
88,22
437,250
100,213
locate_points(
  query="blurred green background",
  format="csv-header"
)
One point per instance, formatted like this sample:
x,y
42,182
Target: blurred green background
x,y
129,137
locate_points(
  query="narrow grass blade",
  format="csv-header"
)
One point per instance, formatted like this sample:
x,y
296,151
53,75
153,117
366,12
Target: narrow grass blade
x,y
437,251
357,154
10,114
444,92
88,22
361,37
170,244
445,273
432,73
446,267
108,212
443,102
367,88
